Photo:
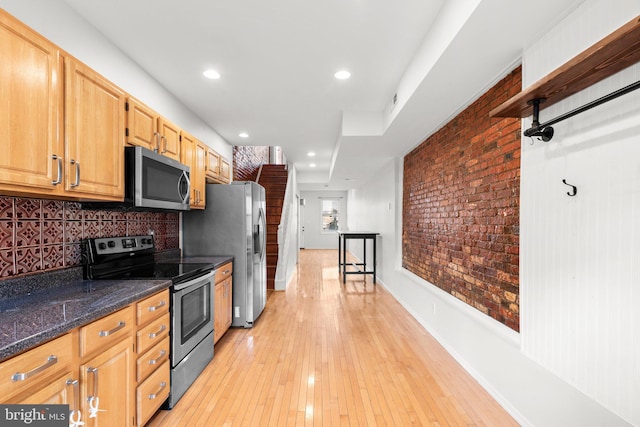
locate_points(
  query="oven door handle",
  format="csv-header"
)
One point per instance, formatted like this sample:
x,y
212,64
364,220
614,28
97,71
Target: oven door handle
x,y
204,277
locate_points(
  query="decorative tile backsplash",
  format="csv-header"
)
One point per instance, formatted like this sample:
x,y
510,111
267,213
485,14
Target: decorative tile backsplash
x,y
39,235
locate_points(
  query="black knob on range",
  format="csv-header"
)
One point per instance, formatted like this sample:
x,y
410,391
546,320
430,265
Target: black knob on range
x,y
102,246
111,244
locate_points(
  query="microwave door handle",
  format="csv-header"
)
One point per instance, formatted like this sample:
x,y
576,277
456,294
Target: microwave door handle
x,y
186,194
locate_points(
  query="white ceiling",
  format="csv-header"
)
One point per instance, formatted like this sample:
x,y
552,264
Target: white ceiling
x,y
277,59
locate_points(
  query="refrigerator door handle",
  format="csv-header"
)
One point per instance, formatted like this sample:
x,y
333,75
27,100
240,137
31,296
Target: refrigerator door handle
x,y
259,240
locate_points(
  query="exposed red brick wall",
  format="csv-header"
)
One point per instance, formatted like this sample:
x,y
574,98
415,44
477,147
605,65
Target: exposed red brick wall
x,y
461,201
247,161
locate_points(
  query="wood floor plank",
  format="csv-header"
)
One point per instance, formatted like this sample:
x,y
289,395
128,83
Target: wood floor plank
x,y
324,353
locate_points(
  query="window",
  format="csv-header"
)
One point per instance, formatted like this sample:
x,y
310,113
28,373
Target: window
x,y
330,214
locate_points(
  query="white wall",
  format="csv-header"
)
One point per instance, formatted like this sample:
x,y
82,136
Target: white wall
x,y
580,256
576,362
55,20
314,237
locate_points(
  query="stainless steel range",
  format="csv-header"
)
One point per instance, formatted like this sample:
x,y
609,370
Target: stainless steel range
x,y
132,257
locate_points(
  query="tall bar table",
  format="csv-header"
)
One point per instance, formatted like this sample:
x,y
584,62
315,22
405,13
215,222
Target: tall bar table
x,y
343,236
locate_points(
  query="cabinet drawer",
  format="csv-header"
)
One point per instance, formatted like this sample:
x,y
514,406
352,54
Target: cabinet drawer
x,y
153,358
34,367
152,393
223,272
153,333
152,307
106,331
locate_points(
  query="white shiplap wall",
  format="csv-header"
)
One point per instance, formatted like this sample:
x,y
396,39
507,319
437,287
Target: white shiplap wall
x,y
580,256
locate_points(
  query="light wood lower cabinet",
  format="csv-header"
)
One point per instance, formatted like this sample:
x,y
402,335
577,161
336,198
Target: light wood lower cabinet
x,y
115,370
39,374
106,382
152,355
222,301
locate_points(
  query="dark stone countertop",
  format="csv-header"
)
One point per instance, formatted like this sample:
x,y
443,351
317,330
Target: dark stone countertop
x,y
39,316
40,307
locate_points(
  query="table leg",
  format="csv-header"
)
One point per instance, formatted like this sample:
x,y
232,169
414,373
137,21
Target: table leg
x,y
374,260
339,253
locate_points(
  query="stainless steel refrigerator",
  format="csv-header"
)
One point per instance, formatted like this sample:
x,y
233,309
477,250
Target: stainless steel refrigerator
x,y
233,223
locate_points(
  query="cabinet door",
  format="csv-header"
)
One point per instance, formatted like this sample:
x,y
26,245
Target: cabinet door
x,y
213,166
218,312
109,378
198,173
60,391
228,291
225,170
170,139
30,111
95,134
142,124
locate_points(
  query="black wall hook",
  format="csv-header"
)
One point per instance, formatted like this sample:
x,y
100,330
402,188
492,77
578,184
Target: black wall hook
x,y
574,190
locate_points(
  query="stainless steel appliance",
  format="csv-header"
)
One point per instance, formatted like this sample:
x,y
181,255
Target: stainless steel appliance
x,y
152,182
191,308
233,223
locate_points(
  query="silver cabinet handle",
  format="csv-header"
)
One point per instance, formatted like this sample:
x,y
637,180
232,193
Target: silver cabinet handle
x,y
77,163
157,307
51,360
155,361
58,159
158,136
165,145
121,325
93,371
162,386
74,397
155,334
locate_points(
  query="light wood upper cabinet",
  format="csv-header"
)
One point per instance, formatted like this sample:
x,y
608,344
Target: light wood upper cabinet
x,y
225,170
193,154
94,128
142,125
213,165
31,85
217,168
169,139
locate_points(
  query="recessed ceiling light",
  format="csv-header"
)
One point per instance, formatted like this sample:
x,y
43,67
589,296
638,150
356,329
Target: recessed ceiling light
x,y
211,74
312,165
342,75
311,154
243,135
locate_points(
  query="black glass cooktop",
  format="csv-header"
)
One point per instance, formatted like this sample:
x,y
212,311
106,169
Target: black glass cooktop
x,y
177,272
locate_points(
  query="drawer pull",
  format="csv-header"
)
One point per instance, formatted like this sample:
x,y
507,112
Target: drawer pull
x,y
155,334
162,386
157,307
121,325
51,360
226,272
154,361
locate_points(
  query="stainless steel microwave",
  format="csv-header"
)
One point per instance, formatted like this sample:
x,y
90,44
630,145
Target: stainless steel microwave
x,y
154,181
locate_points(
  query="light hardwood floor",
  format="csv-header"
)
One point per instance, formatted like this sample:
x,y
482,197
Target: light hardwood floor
x,y
328,354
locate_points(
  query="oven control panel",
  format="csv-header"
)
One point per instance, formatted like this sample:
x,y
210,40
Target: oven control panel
x,y
118,245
